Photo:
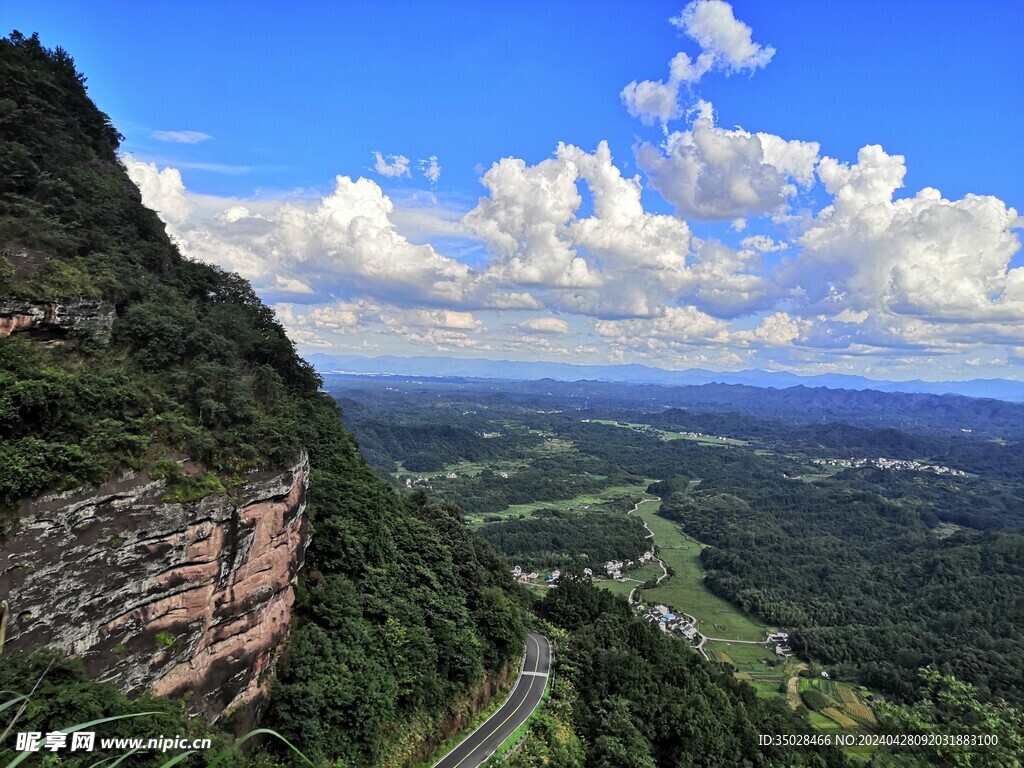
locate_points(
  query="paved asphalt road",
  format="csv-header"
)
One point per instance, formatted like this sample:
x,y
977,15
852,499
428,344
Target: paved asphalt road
x,y
525,697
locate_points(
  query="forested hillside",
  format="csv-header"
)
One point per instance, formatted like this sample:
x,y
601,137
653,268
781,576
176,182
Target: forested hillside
x,y
869,590
400,609
641,699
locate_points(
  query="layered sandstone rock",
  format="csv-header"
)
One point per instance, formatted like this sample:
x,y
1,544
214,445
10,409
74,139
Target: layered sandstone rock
x,y
54,320
186,599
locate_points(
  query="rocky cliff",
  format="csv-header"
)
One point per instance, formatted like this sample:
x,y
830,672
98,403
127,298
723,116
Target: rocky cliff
x,y
187,599
56,319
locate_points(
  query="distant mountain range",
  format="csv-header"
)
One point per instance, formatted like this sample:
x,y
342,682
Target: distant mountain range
x,y
1000,389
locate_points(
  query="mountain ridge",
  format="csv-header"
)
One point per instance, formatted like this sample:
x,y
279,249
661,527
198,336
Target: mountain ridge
x,y
1009,390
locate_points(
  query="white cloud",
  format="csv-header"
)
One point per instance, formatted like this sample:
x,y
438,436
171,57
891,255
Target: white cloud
x,y
447,319
726,282
726,45
162,190
862,284
181,137
775,330
524,221
714,26
537,345
430,168
552,325
513,300
391,166
341,321
715,173
343,244
923,258
762,244
652,100
291,285
619,261
677,325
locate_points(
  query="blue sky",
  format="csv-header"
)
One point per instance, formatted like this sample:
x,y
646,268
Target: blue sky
x,y
294,95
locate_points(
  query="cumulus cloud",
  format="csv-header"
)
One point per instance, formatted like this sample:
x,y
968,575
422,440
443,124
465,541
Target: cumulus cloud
x,y
292,285
344,243
181,137
162,190
620,261
871,279
775,330
921,257
658,100
437,329
726,45
391,166
714,173
719,33
524,221
727,281
762,244
677,325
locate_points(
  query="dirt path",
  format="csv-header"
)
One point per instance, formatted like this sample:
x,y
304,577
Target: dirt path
x,y
793,690
650,535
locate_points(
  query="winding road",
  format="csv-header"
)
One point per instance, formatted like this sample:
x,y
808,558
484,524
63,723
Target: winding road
x,y
650,535
525,697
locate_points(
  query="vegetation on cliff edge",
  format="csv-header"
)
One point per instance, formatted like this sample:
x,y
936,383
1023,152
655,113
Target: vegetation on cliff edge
x,y
400,609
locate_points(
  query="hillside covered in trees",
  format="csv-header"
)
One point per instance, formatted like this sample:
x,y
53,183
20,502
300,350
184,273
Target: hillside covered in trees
x,y
400,610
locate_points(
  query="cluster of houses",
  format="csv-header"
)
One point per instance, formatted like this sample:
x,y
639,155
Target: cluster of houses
x,y
614,568
702,436
781,642
424,482
893,464
670,622
522,576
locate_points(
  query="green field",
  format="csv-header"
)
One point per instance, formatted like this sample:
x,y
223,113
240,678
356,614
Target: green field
x,y
768,689
706,439
643,573
577,504
685,590
748,659
618,587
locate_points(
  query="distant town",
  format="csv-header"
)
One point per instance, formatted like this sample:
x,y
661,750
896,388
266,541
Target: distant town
x,y
896,465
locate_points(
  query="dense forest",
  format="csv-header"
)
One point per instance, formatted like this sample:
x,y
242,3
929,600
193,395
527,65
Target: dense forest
x,y
641,699
867,587
400,609
550,538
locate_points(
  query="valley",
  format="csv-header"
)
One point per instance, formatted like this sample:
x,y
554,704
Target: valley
x,y
677,475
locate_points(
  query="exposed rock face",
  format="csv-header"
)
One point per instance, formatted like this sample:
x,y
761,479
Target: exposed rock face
x,y
54,320
186,599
